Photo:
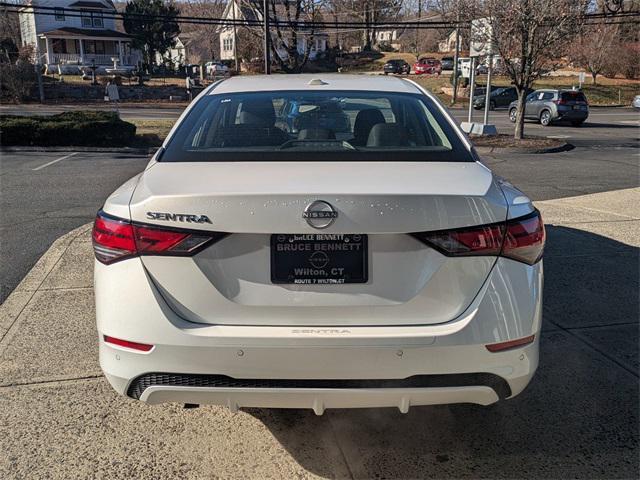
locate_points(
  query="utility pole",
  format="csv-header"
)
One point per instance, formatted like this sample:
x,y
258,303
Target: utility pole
x,y
487,95
418,30
267,36
472,87
38,71
456,55
235,37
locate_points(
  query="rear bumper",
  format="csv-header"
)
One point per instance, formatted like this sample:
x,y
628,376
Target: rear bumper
x,y
155,390
351,367
572,115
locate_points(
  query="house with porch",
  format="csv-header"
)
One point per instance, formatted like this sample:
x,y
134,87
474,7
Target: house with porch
x,y
251,10
72,35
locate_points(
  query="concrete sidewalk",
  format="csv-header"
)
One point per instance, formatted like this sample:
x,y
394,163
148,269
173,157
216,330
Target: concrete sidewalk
x,y
60,419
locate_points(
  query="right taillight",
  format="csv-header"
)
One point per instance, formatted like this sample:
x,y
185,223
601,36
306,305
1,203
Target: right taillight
x,y
520,239
116,239
524,238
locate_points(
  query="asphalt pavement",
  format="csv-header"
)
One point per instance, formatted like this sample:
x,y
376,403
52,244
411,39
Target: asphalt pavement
x,y
44,195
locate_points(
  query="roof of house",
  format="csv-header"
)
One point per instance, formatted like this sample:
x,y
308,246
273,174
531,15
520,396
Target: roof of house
x,y
331,81
84,32
88,4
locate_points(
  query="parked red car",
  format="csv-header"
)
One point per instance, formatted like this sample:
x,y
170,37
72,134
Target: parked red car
x,y
429,66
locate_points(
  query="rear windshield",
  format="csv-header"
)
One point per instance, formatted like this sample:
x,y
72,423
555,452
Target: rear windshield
x,y
315,126
573,96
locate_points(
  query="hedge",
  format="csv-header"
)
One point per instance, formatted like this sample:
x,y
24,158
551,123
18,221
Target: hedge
x,y
90,128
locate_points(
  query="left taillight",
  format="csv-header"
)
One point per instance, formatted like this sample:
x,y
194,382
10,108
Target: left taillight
x,y
116,239
113,239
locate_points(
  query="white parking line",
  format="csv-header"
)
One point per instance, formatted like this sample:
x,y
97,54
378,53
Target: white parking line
x,y
54,161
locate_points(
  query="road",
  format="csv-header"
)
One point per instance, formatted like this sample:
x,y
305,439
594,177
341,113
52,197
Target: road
x,y
605,127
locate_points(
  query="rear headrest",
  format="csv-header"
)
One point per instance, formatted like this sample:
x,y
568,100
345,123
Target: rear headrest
x,y
316,134
388,135
240,135
258,112
365,120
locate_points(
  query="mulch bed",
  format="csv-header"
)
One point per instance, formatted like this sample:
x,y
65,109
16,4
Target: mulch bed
x,y
507,141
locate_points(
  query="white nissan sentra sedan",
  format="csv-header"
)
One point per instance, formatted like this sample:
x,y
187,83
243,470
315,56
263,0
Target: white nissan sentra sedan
x,y
267,258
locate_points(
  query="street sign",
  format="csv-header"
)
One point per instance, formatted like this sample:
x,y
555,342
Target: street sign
x,y
481,43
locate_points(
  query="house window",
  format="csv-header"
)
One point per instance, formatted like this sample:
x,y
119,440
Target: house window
x,y
227,44
98,22
86,18
92,19
59,45
59,14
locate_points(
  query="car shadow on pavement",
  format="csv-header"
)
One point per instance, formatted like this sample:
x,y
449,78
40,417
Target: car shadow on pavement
x,y
578,417
589,124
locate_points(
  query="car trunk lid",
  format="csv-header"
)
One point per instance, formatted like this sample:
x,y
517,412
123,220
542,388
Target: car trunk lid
x,y
231,283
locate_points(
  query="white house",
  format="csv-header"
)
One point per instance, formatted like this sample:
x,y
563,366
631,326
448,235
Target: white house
x,y
389,38
76,34
177,55
248,10
449,44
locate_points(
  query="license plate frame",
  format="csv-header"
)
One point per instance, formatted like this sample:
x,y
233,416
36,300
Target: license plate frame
x,y
319,259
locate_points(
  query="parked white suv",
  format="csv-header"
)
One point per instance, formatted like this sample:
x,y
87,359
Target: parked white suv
x,y
251,266
213,69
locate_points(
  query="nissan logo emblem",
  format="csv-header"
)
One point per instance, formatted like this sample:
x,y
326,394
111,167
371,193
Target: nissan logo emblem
x,y
319,214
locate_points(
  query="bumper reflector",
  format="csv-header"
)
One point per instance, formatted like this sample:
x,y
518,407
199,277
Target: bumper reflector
x,y
141,347
520,342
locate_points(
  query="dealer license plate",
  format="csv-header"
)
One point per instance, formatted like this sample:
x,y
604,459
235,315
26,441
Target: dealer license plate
x,y
315,259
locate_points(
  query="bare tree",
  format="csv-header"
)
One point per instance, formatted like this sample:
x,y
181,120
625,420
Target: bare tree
x,y
530,36
289,24
370,13
9,34
203,39
594,50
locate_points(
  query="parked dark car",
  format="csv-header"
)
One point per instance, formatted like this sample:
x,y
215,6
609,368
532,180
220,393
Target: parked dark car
x,y
447,63
549,106
296,115
397,66
500,97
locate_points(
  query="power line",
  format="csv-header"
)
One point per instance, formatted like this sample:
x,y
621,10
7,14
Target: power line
x,y
632,17
77,13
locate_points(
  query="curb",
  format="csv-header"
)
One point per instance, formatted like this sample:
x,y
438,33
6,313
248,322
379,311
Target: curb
x,y
129,150
565,147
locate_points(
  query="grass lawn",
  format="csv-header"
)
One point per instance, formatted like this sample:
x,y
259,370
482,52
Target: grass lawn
x,y
151,133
